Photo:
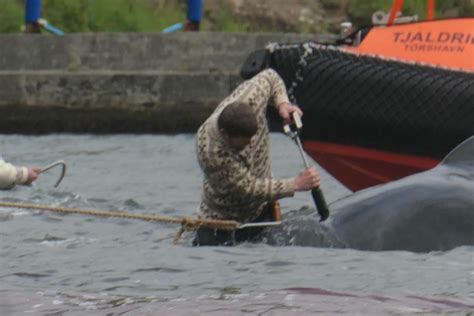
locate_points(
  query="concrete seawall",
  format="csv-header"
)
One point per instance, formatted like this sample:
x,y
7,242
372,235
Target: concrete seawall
x,y
120,82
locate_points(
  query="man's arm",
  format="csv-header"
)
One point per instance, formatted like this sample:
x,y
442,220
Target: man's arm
x,y
234,178
279,96
11,175
277,89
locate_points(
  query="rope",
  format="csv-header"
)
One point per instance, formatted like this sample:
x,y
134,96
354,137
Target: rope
x,y
187,223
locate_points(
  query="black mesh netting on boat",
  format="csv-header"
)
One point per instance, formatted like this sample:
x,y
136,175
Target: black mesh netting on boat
x,y
374,102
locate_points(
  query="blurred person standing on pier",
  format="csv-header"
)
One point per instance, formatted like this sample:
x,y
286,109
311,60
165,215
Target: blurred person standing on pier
x,y
32,16
193,15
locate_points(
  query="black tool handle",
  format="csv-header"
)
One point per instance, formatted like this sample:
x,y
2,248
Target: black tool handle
x,y
321,204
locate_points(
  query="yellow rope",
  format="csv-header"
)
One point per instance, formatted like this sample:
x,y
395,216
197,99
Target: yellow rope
x,y
187,223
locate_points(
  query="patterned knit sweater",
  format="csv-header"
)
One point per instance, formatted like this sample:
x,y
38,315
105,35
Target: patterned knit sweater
x,y
11,175
238,184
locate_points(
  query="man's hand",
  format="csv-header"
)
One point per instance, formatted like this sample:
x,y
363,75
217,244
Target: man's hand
x,y
32,175
285,109
307,180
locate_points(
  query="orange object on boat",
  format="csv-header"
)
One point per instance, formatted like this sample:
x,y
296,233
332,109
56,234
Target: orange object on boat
x,y
443,43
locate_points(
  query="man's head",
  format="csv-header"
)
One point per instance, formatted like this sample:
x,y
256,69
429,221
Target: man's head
x,y
238,124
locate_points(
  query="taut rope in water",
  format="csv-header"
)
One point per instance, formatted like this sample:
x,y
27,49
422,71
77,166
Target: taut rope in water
x,y
187,223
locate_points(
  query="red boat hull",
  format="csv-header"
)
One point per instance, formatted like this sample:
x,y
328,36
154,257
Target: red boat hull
x,y
382,103
359,168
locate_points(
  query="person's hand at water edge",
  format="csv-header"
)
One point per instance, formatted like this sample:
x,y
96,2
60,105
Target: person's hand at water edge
x,y
32,175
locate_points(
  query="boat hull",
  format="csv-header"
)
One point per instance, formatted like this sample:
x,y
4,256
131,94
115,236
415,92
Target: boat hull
x,y
358,168
388,118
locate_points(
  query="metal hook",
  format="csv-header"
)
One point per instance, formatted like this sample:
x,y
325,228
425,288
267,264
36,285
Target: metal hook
x,y
54,164
292,130
259,224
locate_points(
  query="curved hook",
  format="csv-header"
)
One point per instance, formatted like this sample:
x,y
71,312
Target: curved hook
x,y
54,164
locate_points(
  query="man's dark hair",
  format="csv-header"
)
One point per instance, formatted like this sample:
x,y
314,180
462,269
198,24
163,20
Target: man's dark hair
x,y
238,119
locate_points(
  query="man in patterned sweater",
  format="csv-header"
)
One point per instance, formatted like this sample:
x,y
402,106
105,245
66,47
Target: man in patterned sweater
x,y
233,152
11,175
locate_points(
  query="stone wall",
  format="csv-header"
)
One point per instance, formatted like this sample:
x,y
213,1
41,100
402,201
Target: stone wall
x,y
120,82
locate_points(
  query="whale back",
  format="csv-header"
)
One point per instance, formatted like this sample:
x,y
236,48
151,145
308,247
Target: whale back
x,y
431,210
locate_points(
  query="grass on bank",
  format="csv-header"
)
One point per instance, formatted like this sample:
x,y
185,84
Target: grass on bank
x,y
360,11
74,16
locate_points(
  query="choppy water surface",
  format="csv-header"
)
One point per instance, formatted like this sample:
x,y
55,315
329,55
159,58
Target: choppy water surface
x,y
71,264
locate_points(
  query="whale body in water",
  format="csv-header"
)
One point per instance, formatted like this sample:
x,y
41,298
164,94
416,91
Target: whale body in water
x,y
428,211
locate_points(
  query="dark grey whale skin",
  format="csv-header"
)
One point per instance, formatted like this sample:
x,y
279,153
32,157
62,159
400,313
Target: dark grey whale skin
x,y
428,211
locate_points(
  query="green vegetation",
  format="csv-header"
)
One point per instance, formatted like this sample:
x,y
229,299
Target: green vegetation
x,y
360,11
97,15
154,15
11,16
225,21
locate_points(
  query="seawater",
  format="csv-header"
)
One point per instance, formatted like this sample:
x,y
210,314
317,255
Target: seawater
x,y
52,263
